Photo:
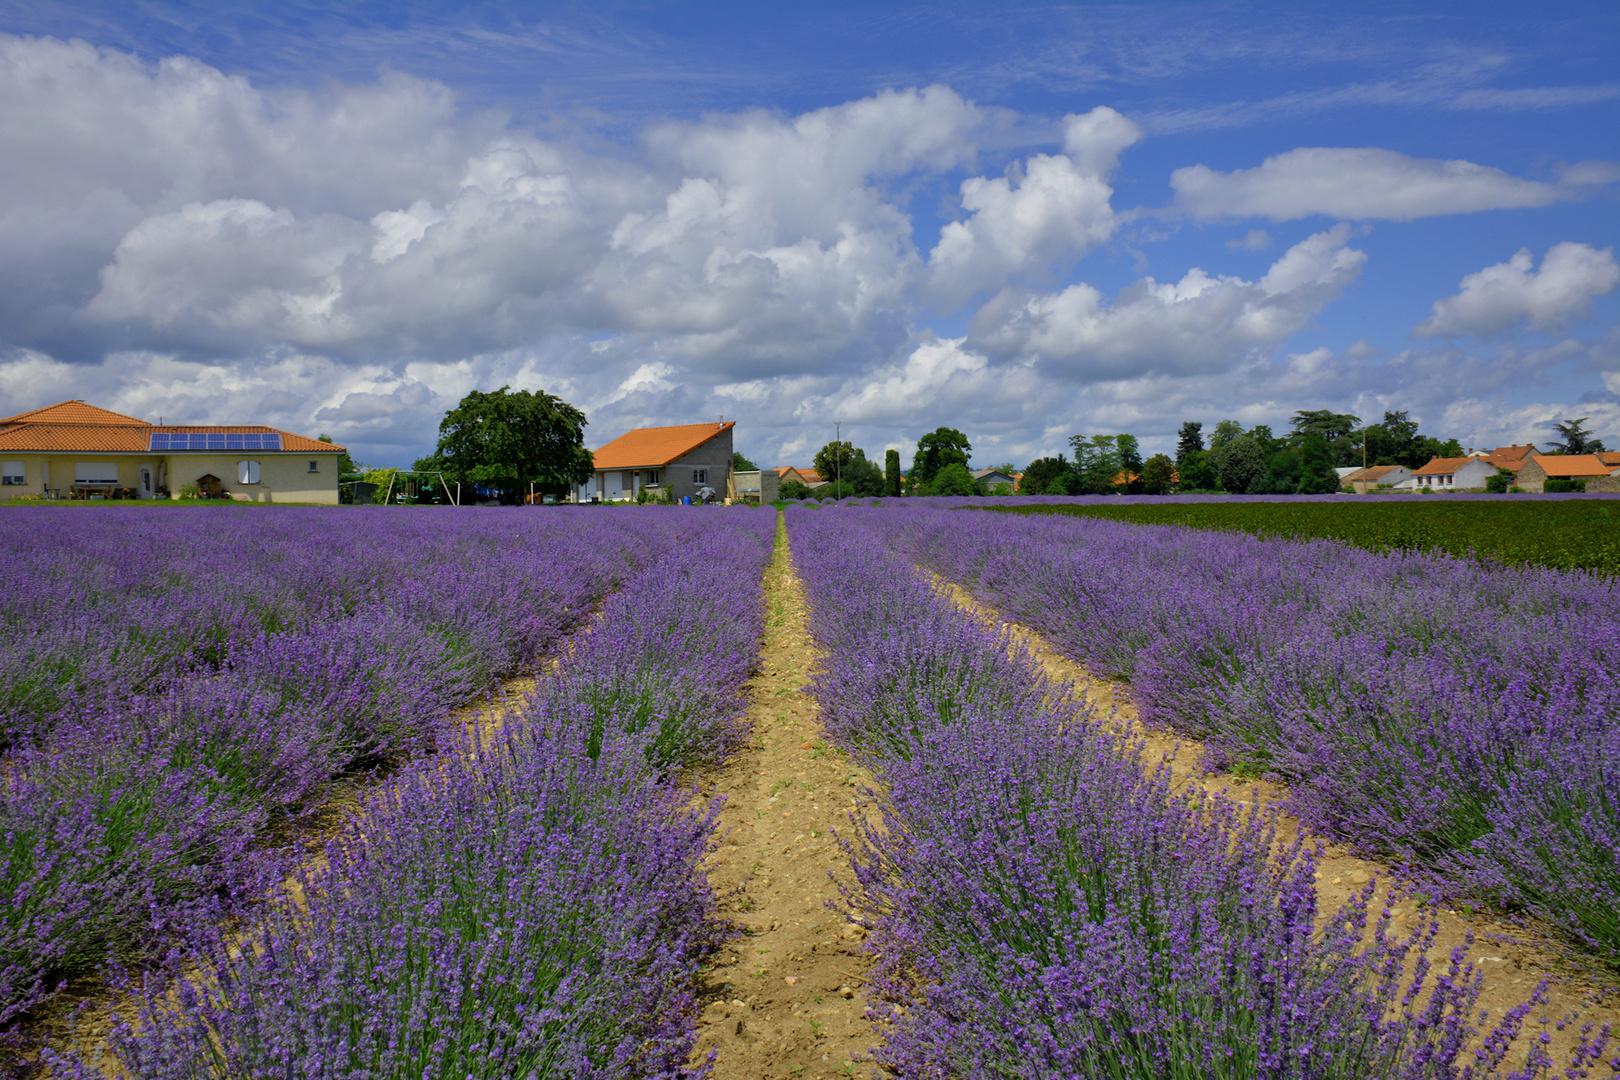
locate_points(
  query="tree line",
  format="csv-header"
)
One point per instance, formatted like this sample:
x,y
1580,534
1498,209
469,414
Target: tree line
x,y
501,442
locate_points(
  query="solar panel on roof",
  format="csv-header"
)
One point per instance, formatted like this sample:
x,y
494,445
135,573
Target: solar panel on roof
x,y
213,440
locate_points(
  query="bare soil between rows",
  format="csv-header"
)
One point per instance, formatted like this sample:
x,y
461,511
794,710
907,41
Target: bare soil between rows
x,y
1512,958
786,999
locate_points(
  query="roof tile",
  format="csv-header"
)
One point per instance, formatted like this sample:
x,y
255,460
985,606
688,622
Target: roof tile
x,y
652,448
1573,465
74,412
72,427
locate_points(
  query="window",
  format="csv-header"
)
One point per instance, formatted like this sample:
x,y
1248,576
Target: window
x,y
247,472
13,473
700,476
315,466
95,472
652,476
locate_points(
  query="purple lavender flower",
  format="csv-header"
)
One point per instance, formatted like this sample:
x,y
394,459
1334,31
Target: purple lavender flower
x,y
1046,906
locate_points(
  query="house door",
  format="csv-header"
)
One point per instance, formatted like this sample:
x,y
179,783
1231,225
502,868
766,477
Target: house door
x,y
146,483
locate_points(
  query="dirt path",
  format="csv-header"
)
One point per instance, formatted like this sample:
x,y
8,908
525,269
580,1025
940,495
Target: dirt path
x,y
786,1000
1514,959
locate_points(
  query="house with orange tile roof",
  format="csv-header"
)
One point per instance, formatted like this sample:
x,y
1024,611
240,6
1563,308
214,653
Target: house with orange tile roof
x,y
1543,467
1362,481
787,474
74,449
1467,473
684,459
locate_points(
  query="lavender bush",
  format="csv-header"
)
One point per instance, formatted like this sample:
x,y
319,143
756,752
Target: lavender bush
x,y
218,685
1046,906
532,905
1456,717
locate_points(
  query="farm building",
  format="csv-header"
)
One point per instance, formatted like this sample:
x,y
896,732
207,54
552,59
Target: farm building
x,y
786,474
684,459
1543,467
757,486
1451,474
1362,481
75,450
987,479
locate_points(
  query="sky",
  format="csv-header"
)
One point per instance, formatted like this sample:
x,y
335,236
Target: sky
x,y
1023,221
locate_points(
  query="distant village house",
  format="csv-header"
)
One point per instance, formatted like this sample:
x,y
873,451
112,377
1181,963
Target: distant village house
x,y
1362,481
989,479
1530,470
1543,467
75,450
683,460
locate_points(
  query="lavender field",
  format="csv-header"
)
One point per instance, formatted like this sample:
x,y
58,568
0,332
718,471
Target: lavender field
x,y
1044,905
178,685
530,898
1459,718
531,905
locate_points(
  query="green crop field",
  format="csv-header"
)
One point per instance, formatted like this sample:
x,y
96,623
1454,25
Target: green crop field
x,y
1570,534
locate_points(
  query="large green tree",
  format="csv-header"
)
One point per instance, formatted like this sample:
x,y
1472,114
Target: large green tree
x,y
1316,475
1042,473
1576,439
1198,472
1130,453
864,475
1269,444
891,473
1158,475
739,463
507,441
939,448
1225,432
953,479
1241,462
1190,440
1096,461
1337,430
832,461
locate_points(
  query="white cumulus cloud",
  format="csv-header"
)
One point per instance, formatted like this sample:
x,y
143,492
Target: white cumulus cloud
x,y
1512,292
1200,323
1356,184
1056,210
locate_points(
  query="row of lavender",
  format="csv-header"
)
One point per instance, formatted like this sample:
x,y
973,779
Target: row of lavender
x,y
176,683
1462,719
531,906
1046,906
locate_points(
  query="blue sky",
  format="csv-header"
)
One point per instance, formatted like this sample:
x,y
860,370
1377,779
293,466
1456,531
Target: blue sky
x,y
1022,221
